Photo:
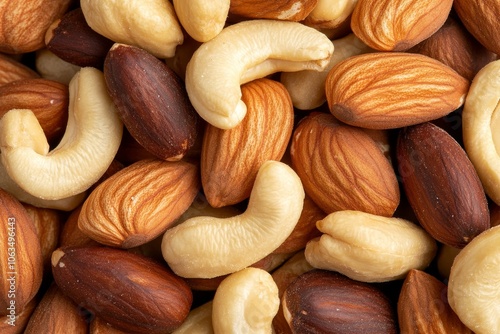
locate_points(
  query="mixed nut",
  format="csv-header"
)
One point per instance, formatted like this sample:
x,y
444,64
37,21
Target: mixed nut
x,y
236,166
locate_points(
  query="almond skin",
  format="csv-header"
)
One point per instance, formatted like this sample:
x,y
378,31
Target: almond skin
x,y
392,90
441,185
12,70
130,292
296,10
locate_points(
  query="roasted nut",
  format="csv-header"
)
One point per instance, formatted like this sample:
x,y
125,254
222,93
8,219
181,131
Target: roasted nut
x,y
7,326
207,247
441,185
71,235
296,10
12,70
51,67
330,14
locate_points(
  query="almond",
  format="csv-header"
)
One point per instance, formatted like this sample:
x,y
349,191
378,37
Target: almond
x,y
12,70
386,90
342,167
230,159
296,10
71,235
387,25
441,185
10,326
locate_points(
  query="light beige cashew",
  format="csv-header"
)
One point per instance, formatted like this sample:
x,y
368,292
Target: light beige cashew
x,y
246,51
307,88
473,284
149,24
245,302
202,20
370,248
51,67
93,135
330,13
481,127
198,321
207,247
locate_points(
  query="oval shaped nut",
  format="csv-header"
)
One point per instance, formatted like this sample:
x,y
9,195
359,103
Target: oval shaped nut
x,y
295,10
21,263
398,25
150,25
441,185
12,70
207,247
245,302
330,14
342,167
246,51
151,101
321,301
130,292
229,164
386,90
139,202
481,127
472,287
370,248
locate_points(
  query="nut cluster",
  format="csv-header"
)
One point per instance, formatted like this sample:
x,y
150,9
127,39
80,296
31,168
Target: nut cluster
x,y
236,166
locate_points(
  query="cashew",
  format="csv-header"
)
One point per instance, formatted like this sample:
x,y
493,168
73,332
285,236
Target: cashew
x,y
198,321
370,248
245,302
330,14
202,20
149,24
473,285
481,127
307,88
246,51
207,247
93,135
51,67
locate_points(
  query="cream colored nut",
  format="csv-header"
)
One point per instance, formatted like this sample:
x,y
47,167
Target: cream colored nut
x,y
245,302
330,13
207,247
481,127
246,51
202,20
51,67
445,258
198,321
92,138
307,88
370,248
473,285
149,24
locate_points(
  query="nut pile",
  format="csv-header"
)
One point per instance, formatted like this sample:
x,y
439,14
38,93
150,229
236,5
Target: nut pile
x,y
236,166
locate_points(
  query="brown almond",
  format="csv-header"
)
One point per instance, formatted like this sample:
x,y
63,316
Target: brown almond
x,y
296,10
12,70
16,324
71,235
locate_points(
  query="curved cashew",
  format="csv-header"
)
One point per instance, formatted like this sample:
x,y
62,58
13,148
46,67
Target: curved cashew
x,y
481,127
246,51
93,135
245,302
207,247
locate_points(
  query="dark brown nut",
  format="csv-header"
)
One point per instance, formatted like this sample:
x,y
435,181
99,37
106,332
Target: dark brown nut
x,y
151,101
130,292
441,185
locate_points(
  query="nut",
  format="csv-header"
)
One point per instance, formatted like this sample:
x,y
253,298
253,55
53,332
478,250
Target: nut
x,y
229,164
151,101
135,294
138,203
83,154
330,14
207,247
322,301
199,320
385,90
330,157
12,70
98,326
21,319
71,235
51,67
397,26
296,10
441,185
246,51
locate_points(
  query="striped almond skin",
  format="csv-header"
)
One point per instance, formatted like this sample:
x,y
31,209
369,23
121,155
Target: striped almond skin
x,y
397,25
393,90
342,168
138,203
230,159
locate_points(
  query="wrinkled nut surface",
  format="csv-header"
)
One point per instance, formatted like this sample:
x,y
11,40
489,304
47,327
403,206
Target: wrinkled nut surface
x,y
481,127
93,135
151,25
473,285
246,51
207,247
370,248
245,302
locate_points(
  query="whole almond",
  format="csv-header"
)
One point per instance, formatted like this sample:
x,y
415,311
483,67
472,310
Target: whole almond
x,y
441,185
230,159
342,167
296,10
386,90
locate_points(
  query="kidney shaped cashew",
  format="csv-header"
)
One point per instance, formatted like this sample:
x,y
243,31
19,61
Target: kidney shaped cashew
x,y
246,51
93,135
207,247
